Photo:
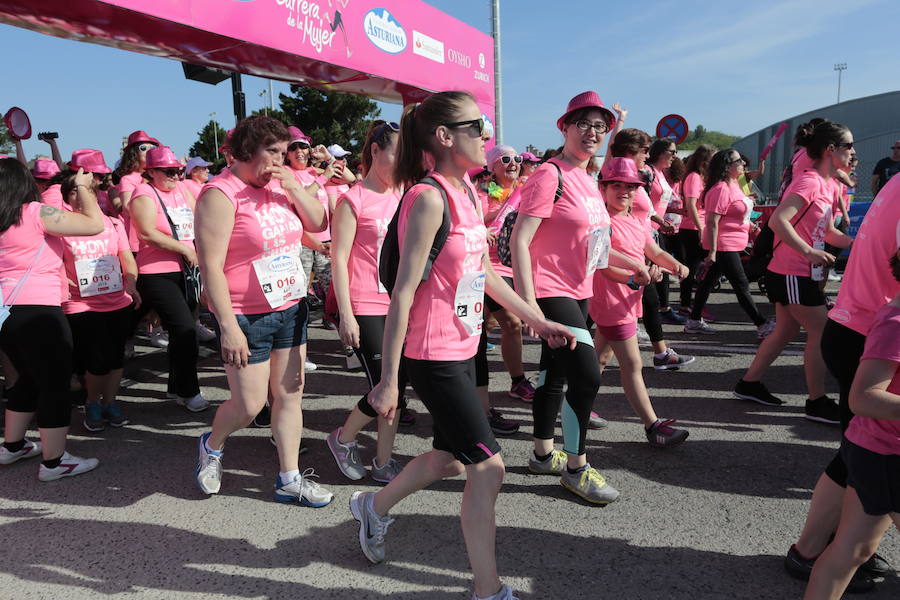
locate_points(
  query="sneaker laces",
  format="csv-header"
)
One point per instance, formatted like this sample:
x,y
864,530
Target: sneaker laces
x,y
557,459
379,526
213,461
664,427
308,484
592,475
352,456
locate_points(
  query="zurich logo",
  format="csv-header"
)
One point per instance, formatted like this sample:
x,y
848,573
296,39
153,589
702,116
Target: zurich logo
x,y
384,31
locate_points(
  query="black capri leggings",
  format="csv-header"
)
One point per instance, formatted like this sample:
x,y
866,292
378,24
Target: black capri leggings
x,y
371,335
38,342
578,368
728,264
693,254
99,338
164,293
842,348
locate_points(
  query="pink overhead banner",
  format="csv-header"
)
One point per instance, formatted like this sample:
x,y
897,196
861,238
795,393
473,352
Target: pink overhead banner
x,y
394,50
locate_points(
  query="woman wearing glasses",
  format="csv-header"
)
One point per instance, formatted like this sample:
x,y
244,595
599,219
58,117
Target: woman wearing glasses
x,y
129,175
557,244
155,206
358,228
726,235
803,223
691,231
440,320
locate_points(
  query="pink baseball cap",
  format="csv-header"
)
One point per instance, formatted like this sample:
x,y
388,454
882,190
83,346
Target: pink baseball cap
x,y
587,100
44,168
162,157
90,160
621,169
529,157
139,136
298,136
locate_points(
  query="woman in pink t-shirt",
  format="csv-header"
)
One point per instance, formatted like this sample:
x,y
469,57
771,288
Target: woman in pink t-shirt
x,y
871,451
690,232
129,175
557,244
667,221
250,222
802,223
35,335
726,236
440,320
162,254
196,174
358,227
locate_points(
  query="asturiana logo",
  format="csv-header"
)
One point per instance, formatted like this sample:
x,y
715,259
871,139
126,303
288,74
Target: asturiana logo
x,y
384,31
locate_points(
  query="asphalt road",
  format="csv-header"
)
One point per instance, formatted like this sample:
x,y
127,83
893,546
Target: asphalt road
x,y
710,519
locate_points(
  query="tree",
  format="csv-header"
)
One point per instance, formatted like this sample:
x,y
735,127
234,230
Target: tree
x,y
205,146
275,114
701,135
6,142
330,117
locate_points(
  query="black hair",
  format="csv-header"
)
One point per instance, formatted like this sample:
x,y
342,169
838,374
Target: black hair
x,y
17,187
698,162
629,142
804,130
717,170
657,148
821,136
895,265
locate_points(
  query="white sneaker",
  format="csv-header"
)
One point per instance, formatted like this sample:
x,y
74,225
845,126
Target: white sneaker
x,y
303,490
764,330
196,404
69,466
834,276
29,450
159,338
209,467
204,333
700,326
309,367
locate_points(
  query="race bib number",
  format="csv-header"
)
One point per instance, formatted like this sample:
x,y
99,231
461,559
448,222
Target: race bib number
x,y
281,278
183,218
98,276
598,250
469,302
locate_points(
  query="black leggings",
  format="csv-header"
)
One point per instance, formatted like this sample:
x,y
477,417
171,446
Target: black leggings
x,y
693,254
38,342
652,318
842,348
728,264
100,338
164,293
371,336
578,368
672,245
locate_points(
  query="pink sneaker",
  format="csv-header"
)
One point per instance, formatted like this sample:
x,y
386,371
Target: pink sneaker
x,y
523,390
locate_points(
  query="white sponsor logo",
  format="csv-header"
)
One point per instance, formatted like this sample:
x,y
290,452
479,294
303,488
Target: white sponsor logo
x,y
384,31
458,58
482,76
481,60
428,47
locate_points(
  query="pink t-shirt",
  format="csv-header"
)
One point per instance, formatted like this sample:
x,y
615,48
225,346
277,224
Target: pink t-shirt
x,y
728,200
660,194
373,212
800,162
129,183
265,239
641,207
446,315
818,195
52,196
334,190
490,204
867,282
561,262
96,255
193,187
883,342
615,303
692,187
19,246
151,259
309,177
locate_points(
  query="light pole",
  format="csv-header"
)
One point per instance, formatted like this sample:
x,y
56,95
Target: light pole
x,y
215,133
498,88
840,68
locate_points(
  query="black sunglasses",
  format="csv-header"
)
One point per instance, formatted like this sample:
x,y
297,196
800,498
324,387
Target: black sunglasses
x,y
848,145
172,172
296,145
475,124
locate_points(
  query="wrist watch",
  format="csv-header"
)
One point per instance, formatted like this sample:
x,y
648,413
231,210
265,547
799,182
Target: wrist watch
x,y
632,284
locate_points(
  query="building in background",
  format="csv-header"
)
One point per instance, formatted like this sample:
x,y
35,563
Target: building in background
x,y
874,120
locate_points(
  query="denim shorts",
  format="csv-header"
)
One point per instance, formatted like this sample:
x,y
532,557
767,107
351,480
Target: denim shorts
x,y
273,330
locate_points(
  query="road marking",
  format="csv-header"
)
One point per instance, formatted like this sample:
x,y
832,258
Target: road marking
x,y
729,349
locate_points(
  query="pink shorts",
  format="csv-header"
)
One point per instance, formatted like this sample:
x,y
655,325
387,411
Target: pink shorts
x,y
618,333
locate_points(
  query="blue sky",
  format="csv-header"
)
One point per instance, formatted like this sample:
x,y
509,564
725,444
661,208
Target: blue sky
x,y
734,67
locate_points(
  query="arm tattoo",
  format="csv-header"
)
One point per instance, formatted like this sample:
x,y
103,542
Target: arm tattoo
x,y
50,211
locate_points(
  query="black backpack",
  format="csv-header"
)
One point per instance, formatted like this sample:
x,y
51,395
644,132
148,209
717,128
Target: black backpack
x,y
389,259
763,248
504,253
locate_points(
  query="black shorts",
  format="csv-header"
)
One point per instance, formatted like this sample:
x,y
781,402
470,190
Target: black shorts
x,y
793,289
492,305
875,477
447,389
99,339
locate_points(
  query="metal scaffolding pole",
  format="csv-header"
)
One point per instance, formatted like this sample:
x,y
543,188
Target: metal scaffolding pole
x,y
498,89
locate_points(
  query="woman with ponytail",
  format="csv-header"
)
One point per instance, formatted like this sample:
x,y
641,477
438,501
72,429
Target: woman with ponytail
x,y
439,315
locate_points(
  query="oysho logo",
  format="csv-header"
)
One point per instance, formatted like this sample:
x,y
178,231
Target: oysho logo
x,y
428,47
384,31
457,57
481,60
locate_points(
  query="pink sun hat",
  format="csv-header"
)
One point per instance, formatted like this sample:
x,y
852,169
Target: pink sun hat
x,y
139,136
587,100
162,157
621,169
297,135
90,160
44,168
